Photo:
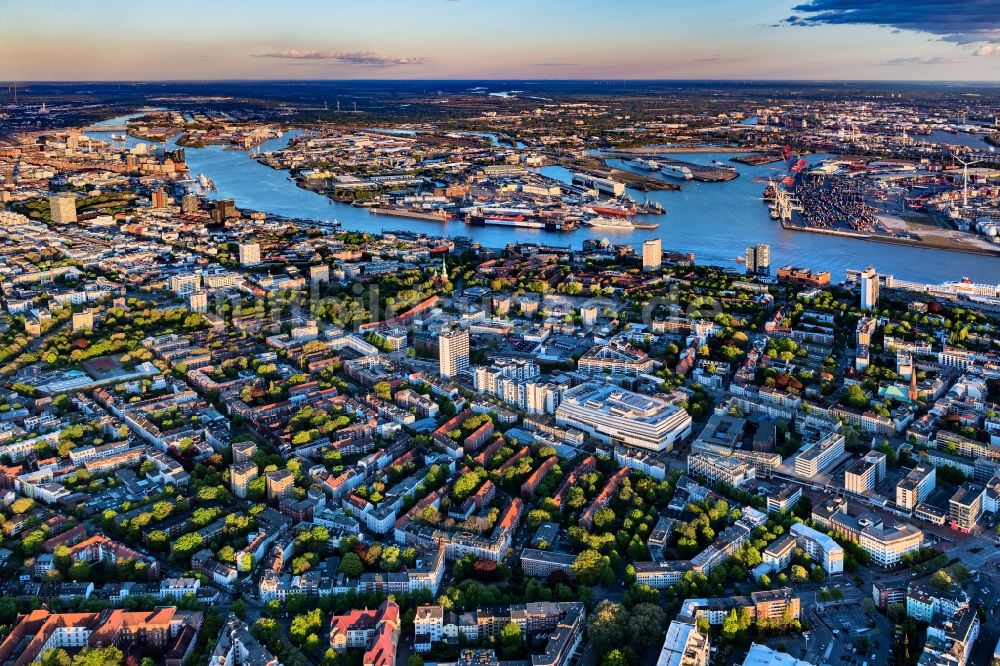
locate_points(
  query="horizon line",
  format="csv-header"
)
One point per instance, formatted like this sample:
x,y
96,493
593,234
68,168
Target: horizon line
x,y
497,80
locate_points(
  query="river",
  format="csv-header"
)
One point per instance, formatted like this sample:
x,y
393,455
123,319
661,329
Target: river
x,y
715,221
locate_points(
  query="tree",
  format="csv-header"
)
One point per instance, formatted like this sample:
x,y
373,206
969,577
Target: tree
x,y
614,658
54,657
352,566
606,625
730,625
817,575
645,626
22,504
799,574
79,571
415,660
109,656
511,641
589,566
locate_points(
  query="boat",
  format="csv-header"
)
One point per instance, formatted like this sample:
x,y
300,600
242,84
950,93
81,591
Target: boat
x,y
722,165
645,225
645,165
773,211
602,222
769,192
676,171
613,210
504,221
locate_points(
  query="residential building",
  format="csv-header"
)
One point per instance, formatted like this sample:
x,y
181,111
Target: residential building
x,y
966,506
198,301
240,476
453,352
869,289
684,645
652,255
279,484
718,468
249,254
821,547
916,486
63,208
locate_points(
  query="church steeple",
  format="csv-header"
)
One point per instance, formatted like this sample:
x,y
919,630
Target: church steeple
x,y
914,393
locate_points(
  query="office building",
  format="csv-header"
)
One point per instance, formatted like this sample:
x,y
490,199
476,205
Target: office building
x,y
758,259
617,416
820,455
249,254
652,255
62,207
453,352
198,301
869,289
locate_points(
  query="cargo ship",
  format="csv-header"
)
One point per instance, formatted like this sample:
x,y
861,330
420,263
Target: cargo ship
x,y
612,210
504,221
676,171
645,165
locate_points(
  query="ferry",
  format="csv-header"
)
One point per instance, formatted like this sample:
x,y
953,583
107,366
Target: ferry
x,y
615,223
676,171
645,165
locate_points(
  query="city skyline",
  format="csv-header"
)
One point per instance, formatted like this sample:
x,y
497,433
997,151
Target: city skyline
x,y
464,39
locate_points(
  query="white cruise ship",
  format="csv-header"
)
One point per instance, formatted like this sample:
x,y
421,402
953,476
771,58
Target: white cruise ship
x,y
676,171
616,223
646,165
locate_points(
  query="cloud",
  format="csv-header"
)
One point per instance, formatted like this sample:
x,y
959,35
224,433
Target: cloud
x,y
369,58
988,50
965,22
554,64
926,60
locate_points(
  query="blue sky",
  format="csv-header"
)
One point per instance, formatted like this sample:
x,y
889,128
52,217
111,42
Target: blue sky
x,y
421,39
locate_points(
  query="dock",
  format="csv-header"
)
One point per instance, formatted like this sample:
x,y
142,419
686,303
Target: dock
x,y
703,173
756,159
415,214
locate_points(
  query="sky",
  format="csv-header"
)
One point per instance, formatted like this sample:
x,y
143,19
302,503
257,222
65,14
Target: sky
x,y
73,40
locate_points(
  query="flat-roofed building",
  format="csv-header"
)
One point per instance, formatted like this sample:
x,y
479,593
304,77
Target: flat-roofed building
x,y
820,547
966,506
916,486
684,645
618,416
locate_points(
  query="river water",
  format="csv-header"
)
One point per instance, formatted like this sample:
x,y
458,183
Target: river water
x,y
715,221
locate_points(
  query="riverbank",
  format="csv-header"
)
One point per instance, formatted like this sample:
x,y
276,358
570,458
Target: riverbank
x,y
922,243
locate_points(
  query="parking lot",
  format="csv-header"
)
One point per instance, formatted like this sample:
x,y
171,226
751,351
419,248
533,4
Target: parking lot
x,y
857,638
